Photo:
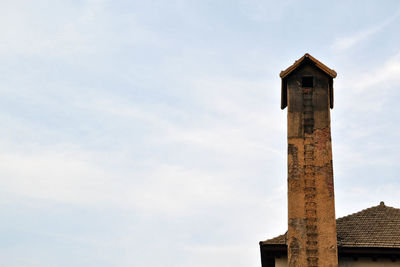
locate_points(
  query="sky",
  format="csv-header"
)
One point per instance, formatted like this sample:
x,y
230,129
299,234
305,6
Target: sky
x,y
149,133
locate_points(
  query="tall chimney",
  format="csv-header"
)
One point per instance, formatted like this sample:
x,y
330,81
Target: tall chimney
x,y
307,91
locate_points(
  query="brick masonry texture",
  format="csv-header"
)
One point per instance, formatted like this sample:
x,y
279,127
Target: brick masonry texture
x,y
311,236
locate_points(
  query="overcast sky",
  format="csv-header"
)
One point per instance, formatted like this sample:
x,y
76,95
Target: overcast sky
x,y
149,133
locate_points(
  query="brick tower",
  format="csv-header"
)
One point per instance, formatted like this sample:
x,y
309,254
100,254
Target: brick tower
x,y
307,91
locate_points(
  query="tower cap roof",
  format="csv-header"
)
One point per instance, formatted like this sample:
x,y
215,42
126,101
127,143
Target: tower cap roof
x,y
317,63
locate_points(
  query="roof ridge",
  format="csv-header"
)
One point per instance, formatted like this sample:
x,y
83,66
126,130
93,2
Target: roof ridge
x,y
381,205
355,213
332,73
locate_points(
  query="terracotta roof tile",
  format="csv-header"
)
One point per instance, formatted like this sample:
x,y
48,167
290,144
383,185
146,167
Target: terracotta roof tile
x,y
279,240
378,226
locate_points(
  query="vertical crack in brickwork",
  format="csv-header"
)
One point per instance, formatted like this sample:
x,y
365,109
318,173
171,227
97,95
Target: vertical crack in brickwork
x,y
310,190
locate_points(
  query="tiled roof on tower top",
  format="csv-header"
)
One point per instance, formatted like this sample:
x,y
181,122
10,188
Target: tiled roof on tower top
x,y
306,56
375,227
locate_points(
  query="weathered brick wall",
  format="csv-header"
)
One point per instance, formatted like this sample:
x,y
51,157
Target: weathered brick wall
x,y
361,262
312,226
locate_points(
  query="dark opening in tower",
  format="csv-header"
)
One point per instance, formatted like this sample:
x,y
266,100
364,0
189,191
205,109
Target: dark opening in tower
x,y
307,82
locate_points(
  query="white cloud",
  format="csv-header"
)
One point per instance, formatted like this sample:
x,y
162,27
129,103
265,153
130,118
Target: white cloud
x,y
71,33
344,43
79,178
380,76
369,90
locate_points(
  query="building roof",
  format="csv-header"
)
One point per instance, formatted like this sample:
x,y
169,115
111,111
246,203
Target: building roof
x,y
375,227
317,63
